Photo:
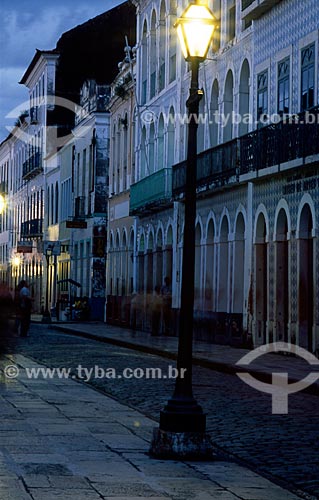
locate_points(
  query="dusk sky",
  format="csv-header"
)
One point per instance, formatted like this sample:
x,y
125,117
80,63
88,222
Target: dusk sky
x,y
29,25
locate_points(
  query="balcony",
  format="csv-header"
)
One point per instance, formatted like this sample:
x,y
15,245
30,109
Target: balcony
x,y
32,166
32,229
253,9
151,193
215,166
270,146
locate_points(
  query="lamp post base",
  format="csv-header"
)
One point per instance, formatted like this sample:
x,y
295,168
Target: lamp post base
x,y
181,445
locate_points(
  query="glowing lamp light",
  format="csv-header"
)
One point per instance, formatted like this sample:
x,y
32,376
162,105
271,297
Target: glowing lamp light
x,y
16,261
195,30
2,203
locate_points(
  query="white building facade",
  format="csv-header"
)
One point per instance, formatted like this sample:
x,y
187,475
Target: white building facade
x,y
121,259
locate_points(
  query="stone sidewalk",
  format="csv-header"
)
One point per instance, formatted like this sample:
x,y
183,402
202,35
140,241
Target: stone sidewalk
x,y
60,438
217,357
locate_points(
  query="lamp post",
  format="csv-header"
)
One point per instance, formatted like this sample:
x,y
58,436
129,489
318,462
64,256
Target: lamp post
x,y
181,433
46,316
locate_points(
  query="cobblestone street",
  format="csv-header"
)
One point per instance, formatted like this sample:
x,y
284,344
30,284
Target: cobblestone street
x,y
283,447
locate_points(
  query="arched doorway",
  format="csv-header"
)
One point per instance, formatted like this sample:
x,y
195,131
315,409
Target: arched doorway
x,y
281,277
159,259
223,275
261,280
124,264
149,264
140,285
130,262
306,280
198,259
169,254
210,266
239,265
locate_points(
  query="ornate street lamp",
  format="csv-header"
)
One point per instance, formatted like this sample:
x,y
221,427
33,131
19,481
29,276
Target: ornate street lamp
x,y
181,433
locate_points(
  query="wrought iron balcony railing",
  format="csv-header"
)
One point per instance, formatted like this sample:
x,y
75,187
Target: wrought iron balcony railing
x,y
150,193
263,148
32,166
32,229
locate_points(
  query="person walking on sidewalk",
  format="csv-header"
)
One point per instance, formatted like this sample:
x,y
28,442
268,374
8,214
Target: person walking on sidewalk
x,y
156,311
25,308
166,292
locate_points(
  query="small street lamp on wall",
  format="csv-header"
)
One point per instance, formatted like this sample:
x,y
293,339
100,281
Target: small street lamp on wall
x,y
2,203
182,430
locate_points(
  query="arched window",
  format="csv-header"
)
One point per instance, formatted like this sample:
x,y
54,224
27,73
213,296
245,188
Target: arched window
x,y
151,146
244,98
52,204
201,126
171,138
118,156
214,115
132,165
56,203
160,143
153,58
125,151
172,42
228,107
113,166
162,47
143,154
144,64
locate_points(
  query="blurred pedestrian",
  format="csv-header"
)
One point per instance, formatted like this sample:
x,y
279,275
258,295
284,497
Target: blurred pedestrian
x,y
25,308
6,308
156,311
166,292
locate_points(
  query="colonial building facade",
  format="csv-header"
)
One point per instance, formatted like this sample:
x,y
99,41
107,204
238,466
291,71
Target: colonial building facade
x,y
54,168
256,273
121,227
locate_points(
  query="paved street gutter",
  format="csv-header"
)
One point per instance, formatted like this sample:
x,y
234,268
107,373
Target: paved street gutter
x,y
220,366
